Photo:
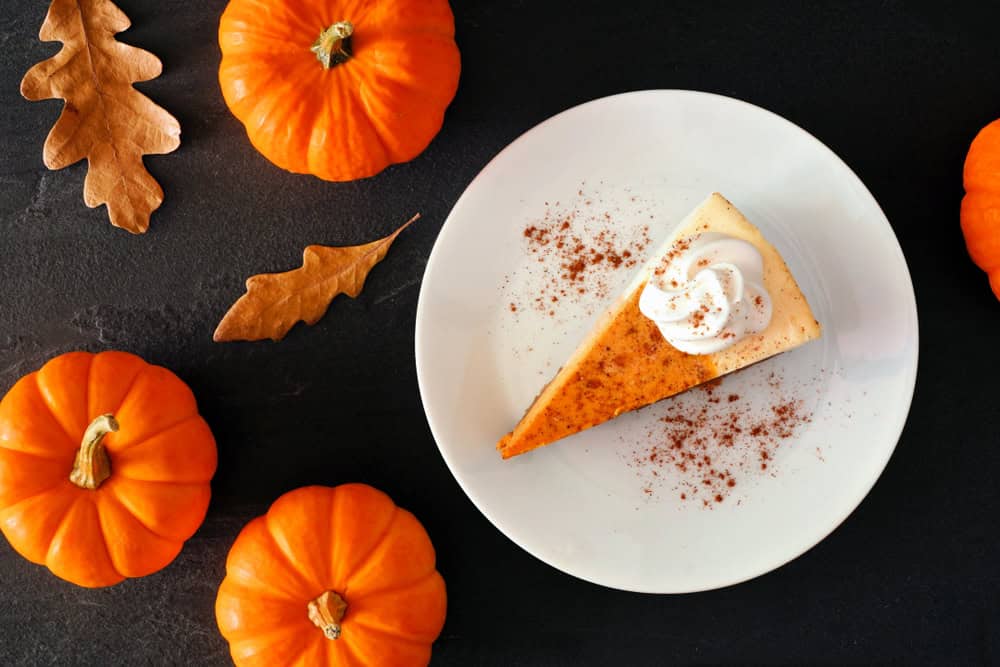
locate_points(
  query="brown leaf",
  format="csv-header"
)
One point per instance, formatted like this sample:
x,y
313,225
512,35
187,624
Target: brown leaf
x,y
104,119
274,302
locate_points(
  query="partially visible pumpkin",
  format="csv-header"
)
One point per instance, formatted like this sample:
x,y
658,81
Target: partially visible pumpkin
x,y
981,205
339,88
332,576
104,467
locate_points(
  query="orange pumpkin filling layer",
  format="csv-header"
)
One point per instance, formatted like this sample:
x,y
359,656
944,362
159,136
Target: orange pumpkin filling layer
x,y
629,365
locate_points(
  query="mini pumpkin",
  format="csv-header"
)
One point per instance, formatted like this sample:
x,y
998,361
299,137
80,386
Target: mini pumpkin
x,y
339,88
980,214
332,576
104,467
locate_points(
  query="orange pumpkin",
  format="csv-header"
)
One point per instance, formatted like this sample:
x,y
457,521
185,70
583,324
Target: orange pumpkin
x,y
104,467
339,88
981,204
332,576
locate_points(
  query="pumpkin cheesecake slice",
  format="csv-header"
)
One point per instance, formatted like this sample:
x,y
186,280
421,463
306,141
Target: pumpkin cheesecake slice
x,y
717,297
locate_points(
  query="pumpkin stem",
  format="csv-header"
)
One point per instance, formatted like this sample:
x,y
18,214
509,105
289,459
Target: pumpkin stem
x,y
334,44
326,612
93,465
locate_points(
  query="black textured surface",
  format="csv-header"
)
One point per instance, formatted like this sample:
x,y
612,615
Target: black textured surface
x,y
895,89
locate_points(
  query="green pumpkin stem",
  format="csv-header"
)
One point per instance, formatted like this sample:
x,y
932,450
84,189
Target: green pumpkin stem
x,y
334,44
93,465
326,612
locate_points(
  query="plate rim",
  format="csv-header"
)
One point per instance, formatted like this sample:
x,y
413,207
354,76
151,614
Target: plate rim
x,y
911,315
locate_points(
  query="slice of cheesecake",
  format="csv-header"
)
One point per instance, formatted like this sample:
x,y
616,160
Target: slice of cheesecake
x,y
717,297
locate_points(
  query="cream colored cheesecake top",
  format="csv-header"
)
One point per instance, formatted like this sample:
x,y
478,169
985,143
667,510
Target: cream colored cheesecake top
x,y
792,322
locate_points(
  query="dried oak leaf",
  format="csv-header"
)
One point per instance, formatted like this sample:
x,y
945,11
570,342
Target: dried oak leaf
x,y
104,119
274,302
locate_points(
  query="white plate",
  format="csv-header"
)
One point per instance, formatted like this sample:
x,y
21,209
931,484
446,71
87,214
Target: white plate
x,y
579,504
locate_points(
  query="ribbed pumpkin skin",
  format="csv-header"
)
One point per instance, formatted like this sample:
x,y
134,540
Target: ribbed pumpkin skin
x,y
382,106
350,539
981,205
162,460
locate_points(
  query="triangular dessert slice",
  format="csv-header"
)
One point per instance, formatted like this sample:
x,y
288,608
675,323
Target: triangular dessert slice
x,y
717,297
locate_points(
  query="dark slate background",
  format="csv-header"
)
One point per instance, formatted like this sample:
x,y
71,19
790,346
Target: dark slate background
x,y
896,89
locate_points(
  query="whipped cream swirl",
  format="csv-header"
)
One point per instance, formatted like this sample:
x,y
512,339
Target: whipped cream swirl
x,y
707,293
